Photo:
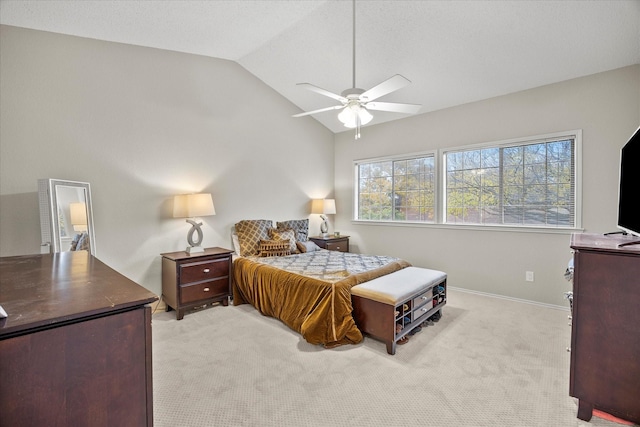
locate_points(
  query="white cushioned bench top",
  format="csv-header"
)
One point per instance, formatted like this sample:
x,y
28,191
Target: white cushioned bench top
x,y
399,285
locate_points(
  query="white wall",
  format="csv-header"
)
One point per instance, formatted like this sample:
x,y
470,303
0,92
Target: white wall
x,y
142,125
605,106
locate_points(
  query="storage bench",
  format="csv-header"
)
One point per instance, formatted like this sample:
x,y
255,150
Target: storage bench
x,y
391,306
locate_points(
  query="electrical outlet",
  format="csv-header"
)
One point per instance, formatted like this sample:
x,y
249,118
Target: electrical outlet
x,y
529,276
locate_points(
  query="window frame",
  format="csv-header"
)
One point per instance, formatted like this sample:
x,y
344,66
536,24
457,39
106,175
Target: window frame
x,y
436,186
440,186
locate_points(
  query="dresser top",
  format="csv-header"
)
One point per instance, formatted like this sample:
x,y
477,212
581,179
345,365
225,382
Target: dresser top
x,y
180,255
330,237
40,291
605,243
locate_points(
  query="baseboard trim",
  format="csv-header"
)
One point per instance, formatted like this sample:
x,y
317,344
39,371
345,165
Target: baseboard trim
x,y
525,301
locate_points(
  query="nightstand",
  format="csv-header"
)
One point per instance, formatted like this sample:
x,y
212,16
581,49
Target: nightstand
x,y
332,243
192,280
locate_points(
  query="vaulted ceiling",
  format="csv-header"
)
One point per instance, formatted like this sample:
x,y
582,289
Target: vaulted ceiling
x,y
454,52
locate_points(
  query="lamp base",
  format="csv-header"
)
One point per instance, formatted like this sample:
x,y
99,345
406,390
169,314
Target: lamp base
x,y
194,249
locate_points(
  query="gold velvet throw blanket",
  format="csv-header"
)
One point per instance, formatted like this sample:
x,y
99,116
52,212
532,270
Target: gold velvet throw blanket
x,y
313,294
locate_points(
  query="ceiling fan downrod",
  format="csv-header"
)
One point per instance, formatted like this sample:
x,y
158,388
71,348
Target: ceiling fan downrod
x,y
354,45
353,67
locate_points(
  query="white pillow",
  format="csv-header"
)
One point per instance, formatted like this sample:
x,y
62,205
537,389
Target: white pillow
x,y
235,242
307,246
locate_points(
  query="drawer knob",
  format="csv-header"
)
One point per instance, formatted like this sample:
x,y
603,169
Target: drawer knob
x,y
424,298
206,270
338,247
425,309
206,289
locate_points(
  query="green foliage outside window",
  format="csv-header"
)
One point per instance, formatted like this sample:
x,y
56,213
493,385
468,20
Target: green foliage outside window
x,y
531,184
528,183
397,190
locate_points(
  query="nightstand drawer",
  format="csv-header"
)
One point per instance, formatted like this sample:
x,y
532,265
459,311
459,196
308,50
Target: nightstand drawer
x,y
199,271
332,243
202,291
342,246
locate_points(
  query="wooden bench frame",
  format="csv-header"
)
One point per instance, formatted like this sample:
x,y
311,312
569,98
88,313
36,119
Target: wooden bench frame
x,y
378,319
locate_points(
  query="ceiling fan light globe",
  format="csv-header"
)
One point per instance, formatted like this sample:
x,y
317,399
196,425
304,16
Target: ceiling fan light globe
x,y
365,116
349,115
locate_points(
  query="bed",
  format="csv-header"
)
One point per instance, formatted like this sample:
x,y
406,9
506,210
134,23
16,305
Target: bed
x,y
308,291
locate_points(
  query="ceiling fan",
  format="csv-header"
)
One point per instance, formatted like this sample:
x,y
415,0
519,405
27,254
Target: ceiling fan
x,y
355,103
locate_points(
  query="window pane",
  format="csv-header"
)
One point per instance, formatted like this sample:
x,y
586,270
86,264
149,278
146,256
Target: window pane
x,y
529,184
513,175
513,195
490,158
454,161
471,159
400,167
398,190
415,166
512,156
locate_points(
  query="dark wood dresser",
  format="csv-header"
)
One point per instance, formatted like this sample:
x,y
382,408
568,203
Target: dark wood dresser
x,y
75,348
605,331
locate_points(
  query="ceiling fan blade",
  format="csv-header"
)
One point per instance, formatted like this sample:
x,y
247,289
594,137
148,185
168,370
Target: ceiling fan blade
x,y
306,113
391,84
393,107
323,92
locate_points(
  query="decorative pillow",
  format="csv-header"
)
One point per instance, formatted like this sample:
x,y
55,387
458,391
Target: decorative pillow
x,y
307,246
300,226
250,232
288,235
274,248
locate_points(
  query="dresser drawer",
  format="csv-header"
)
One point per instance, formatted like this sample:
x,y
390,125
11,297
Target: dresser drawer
x,y
338,246
202,291
203,270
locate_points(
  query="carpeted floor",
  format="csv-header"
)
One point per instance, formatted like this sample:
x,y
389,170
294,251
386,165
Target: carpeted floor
x,y
488,362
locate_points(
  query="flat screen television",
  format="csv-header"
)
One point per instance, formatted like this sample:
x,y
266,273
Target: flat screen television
x,y
629,191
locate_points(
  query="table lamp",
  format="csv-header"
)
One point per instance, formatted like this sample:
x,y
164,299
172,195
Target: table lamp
x,y
193,206
324,207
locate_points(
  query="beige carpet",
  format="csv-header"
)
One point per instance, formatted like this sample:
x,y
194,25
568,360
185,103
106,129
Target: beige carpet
x,y
488,362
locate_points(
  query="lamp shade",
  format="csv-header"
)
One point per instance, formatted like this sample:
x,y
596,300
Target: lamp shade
x,y
193,205
78,213
329,206
323,206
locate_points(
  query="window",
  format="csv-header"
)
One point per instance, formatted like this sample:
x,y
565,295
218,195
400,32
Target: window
x,y
530,183
396,189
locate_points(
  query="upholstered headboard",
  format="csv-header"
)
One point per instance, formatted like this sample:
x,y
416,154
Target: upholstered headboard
x,y
246,235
